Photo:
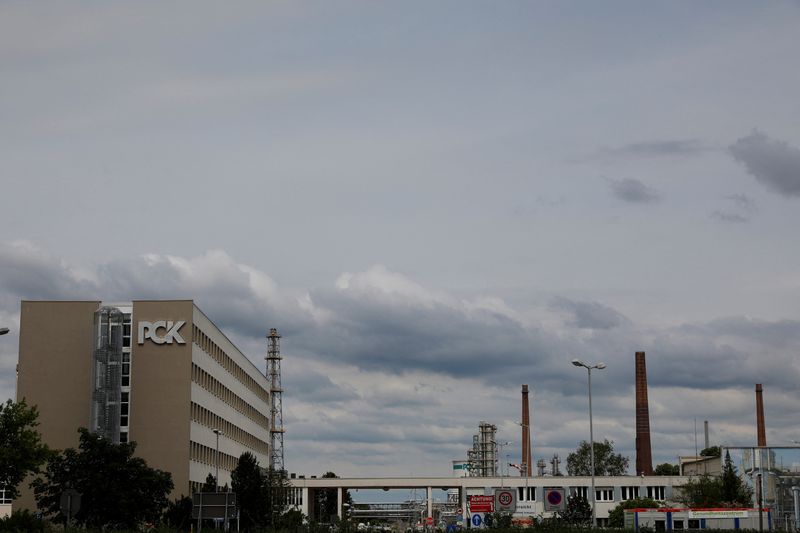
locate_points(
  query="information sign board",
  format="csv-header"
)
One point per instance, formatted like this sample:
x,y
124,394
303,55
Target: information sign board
x,y
481,504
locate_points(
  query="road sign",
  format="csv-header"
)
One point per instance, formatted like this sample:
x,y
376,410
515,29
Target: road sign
x,y
505,500
554,500
429,520
70,502
481,504
460,511
477,520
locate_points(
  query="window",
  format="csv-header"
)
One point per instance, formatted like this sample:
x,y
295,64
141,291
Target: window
x,y
694,524
580,491
522,495
604,494
656,493
4,497
629,493
677,524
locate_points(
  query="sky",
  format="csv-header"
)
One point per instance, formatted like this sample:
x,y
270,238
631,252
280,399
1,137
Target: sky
x,y
433,202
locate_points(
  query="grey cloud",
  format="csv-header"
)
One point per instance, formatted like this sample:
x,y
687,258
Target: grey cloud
x,y
658,148
589,315
773,163
633,191
312,386
741,210
726,216
30,273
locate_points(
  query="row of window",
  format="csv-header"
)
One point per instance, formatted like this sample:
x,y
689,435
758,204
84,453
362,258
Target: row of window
x,y
208,455
225,361
606,494
203,416
215,387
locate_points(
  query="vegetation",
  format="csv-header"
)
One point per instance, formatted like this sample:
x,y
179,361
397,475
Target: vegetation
x,y
248,484
606,462
712,451
667,469
616,517
22,451
118,490
728,490
577,513
326,502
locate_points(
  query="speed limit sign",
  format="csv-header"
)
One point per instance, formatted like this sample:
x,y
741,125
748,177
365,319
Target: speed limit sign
x,y
505,500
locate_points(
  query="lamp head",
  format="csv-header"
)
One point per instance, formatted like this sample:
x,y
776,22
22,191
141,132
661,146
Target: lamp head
x,y
578,362
600,366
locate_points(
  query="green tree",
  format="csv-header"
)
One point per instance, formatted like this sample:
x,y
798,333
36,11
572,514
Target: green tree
x,y
733,490
667,469
276,491
210,484
577,512
701,491
118,490
616,516
606,462
249,485
22,451
179,513
728,490
326,501
712,451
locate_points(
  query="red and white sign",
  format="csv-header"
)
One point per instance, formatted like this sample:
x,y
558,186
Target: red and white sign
x,y
481,504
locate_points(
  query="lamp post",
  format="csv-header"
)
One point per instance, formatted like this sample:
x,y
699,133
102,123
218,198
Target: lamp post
x,y
216,479
589,368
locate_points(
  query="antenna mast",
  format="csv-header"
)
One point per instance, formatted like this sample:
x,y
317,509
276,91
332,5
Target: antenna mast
x,y
276,404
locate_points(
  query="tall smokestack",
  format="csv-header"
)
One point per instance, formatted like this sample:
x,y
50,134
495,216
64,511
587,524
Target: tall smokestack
x,y
644,456
762,430
526,432
705,425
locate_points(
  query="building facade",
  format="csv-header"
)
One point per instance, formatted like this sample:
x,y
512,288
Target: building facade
x,y
157,372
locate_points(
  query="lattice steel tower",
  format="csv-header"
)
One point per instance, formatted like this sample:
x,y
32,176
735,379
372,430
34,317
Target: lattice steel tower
x,y
276,405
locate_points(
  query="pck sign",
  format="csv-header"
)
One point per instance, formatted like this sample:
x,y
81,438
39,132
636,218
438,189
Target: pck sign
x,y
150,330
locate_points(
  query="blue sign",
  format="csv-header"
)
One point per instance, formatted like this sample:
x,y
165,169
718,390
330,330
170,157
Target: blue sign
x,y
476,520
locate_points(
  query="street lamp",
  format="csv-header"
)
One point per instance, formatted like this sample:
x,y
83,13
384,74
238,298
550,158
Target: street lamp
x,y
588,367
217,433
3,331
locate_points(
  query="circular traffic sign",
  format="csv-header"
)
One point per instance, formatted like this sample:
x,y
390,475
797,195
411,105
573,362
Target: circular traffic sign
x,y
505,498
476,520
554,497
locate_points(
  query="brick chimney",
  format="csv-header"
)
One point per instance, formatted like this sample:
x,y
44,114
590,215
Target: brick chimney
x,y
526,432
644,456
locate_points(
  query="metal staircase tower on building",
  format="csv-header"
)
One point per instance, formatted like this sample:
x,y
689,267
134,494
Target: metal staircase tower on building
x,y
276,405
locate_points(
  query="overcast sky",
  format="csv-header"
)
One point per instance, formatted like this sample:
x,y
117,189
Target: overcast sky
x,y
434,203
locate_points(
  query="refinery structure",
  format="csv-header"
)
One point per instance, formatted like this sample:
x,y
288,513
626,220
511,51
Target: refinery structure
x,y
161,373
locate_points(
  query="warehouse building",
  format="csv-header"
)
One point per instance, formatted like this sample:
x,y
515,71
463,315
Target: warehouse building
x,y
157,372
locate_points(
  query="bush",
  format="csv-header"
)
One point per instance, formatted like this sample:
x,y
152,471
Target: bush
x,y
21,521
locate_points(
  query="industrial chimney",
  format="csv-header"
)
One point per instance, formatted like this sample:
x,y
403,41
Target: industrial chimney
x,y
762,430
526,433
644,456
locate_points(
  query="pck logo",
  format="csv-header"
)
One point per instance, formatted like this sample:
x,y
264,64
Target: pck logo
x,y
150,330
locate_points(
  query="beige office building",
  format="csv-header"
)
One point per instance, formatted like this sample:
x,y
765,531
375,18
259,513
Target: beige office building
x,y
156,372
